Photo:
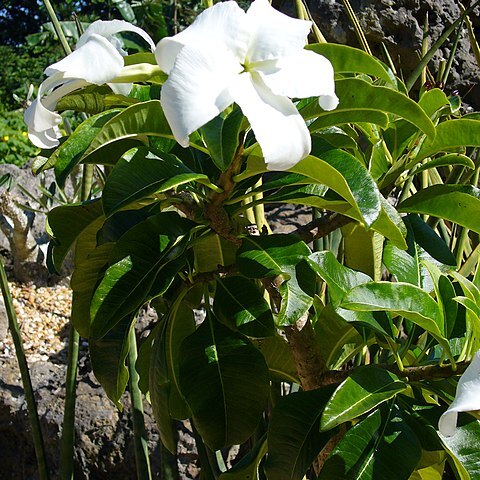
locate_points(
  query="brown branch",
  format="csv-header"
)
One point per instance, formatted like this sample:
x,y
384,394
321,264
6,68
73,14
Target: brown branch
x,y
321,227
412,374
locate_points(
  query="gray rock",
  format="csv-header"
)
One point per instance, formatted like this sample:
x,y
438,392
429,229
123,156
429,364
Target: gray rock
x,y
399,26
104,443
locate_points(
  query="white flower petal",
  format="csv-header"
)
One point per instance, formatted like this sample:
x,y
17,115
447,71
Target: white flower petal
x,y
279,128
304,74
224,23
47,139
42,125
197,88
467,398
108,28
40,117
96,61
121,88
274,35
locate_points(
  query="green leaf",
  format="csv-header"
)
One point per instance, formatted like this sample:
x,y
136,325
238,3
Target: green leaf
x,y
283,257
240,304
226,399
166,398
362,391
402,264
458,203
68,154
463,447
221,137
146,118
362,250
429,240
347,59
66,223
355,94
294,438
248,468
137,260
382,446
159,387
340,280
452,134
336,169
446,160
403,299
279,358
143,175
108,357
212,250
91,100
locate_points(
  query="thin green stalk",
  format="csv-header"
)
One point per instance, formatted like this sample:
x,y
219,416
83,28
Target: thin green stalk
x,y
356,26
423,63
67,442
25,374
453,51
58,27
139,434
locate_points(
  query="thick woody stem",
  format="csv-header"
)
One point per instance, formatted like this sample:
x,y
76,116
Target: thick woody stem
x,y
214,211
321,227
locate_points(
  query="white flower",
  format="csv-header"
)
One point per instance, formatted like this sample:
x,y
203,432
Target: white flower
x,y
97,59
467,398
256,59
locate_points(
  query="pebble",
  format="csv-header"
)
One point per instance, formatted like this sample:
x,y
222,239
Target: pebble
x,y
42,314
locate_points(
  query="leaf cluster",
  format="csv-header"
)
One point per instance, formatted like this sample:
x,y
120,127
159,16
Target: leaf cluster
x,y
362,328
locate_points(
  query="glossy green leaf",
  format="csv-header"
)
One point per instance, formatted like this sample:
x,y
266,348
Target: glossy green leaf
x,y
279,358
226,400
463,447
283,257
221,137
452,134
143,175
137,259
403,299
248,468
362,391
159,388
429,240
340,280
92,100
402,264
167,401
334,335
211,251
241,305
347,59
68,154
146,118
66,223
446,160
108,356
337,170
343,116
362,250
382,446
355,93
294,438
457,203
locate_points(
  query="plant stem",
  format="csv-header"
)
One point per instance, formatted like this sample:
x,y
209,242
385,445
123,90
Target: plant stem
x,y
25,374
67,442
58,27
139,433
